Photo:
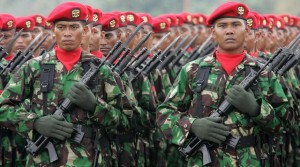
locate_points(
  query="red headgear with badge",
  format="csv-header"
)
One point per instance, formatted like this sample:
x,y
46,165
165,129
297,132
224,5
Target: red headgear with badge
x,y
8,22
133,18
110,22
229,10
147,18
160,25
97,15
252,21
122,18
69,11
27,23
39,20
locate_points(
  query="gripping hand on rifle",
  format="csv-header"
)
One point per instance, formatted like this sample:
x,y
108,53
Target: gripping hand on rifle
x,y
54,126
243,100
210,129
82,96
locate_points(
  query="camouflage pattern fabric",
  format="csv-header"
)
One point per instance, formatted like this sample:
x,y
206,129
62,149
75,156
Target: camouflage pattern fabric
x,y
18,114
176,114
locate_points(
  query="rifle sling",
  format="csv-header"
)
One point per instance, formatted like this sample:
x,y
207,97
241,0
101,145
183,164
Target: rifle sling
x,y
47,82
202,78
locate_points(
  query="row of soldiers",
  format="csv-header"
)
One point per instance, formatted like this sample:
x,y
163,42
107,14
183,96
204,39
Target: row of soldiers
x,y
134,106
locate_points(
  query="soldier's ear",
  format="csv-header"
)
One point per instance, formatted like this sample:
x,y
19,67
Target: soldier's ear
x,y
213,32
85,29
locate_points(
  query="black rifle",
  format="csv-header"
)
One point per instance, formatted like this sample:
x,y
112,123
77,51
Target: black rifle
x,y
29,55
143,68
181,54
224,109
126,42
291,63
132,53
43,141
195,54
173,54
176,65
4,51
142,52
121,58
18,57
161,57
283,55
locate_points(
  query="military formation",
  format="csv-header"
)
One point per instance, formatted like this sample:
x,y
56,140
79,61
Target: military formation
x,y
86,88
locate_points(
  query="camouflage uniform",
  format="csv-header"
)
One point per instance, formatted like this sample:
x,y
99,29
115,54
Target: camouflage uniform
x,y
22,103
176,114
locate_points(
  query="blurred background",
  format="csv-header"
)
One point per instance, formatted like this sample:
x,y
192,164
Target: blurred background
x,y
154,7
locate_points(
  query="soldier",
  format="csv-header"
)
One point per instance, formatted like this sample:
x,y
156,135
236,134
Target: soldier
x,y
186,111
96,34
27,23
50,41
40,23
8,32
27,109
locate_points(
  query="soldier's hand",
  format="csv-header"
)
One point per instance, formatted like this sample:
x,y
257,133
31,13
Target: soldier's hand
x,y
84,98
210,129
53,126
244,101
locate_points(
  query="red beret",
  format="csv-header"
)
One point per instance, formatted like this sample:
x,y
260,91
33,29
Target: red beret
x,y
279,23
286,18
201,18
179,19
8,22
147,18
90,13
160,25
186,18
48,25
172,19
27,23
97,14
252,21
293,21
110,22
122,18
39,20
69,11
229,9
133,18
271,20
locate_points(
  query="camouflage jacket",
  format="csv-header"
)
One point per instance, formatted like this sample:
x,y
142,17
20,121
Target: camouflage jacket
x,y
176,114
22,103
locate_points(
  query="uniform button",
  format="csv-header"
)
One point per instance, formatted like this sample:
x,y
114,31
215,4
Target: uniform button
x,y
185,126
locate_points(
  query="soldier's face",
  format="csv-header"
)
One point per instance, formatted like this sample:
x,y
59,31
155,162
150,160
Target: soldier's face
x,y
164,44
108,41
69,34
87,37
7,36
250,41
48,40
95,38
147,29
37,30
230,34
22,42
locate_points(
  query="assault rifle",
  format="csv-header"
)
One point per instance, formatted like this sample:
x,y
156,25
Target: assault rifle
x,y
161,57
4,51
126,42
172,55
181,53
291,63
45,142
284,55
122,64
224,109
